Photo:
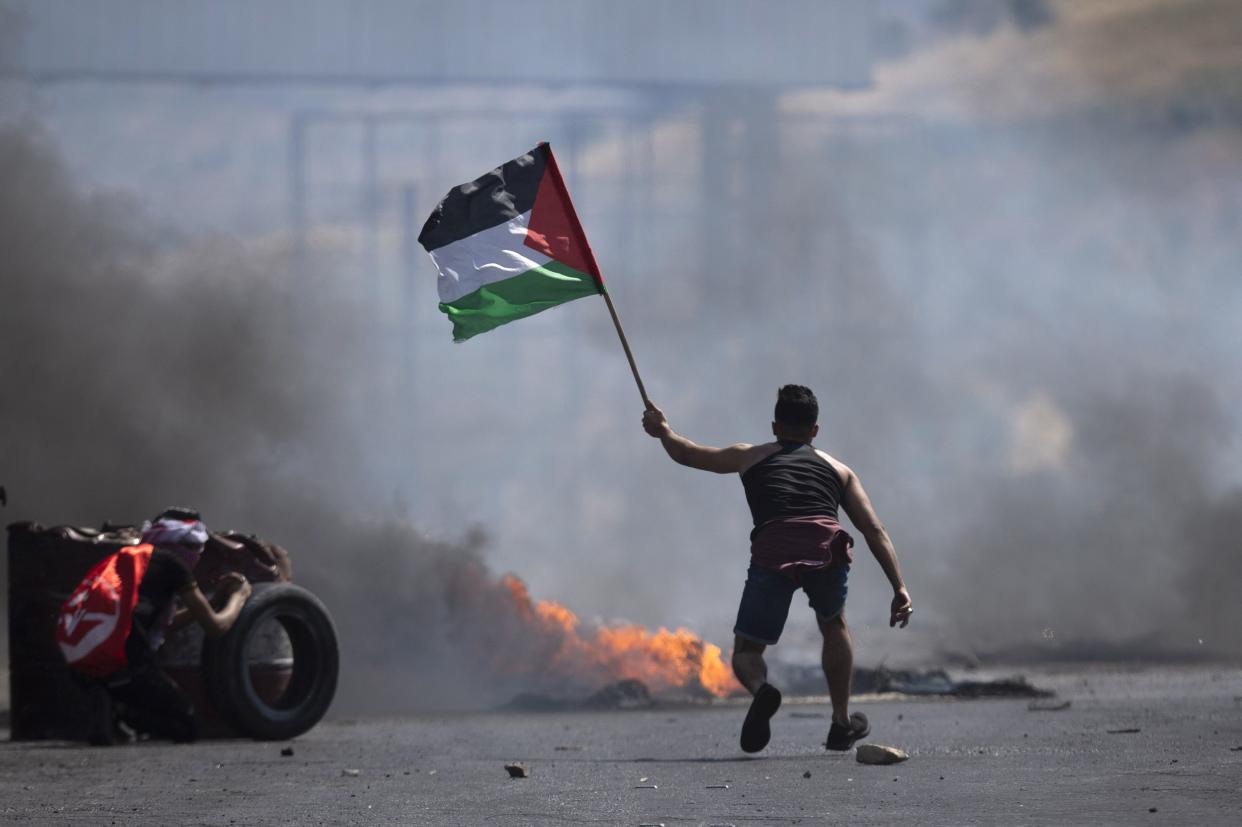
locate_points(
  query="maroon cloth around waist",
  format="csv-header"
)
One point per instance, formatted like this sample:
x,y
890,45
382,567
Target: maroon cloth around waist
x,y
794,544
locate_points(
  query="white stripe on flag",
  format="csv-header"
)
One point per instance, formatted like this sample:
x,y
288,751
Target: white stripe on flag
x,y
491,255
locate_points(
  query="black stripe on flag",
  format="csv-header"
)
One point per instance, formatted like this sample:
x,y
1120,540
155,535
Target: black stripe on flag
x,y
489,200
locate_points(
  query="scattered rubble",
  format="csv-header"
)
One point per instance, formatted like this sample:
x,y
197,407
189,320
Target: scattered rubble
x,y
351,773
631,693
1047,706
878,754
624,694
809,680
518,770
906,682
1016,687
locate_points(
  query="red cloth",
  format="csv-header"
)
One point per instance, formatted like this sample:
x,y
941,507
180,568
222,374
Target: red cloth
x,y
95,621
798,544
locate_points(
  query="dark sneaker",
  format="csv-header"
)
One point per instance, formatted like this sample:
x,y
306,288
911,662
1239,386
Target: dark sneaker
x,y
755,731
841,737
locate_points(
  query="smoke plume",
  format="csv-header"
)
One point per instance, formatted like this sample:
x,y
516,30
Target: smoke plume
x,y
1049,212
137,376
1008,269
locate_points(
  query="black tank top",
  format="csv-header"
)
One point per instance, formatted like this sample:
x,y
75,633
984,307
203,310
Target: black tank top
x,y
794,482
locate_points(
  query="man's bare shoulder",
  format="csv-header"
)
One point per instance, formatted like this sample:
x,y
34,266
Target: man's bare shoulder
x,y
843,470
755,453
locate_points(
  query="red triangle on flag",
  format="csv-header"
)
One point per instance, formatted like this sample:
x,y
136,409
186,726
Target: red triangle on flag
x,y
554,229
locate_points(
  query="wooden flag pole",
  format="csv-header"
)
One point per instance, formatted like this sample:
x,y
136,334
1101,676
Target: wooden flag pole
x,y
554,170
628,355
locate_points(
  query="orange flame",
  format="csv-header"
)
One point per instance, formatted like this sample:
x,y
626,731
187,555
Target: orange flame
x,y
663,659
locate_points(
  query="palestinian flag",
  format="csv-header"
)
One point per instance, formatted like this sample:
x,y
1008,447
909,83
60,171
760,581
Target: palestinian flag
x,y
508,245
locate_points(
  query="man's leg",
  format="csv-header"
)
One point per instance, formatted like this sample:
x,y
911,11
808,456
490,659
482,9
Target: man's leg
x,y
752,672
838,663
827,589
761,615
748,663
760,618
155,704
101,718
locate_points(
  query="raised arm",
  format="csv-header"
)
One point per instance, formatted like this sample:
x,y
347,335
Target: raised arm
x,y
730,460
858,507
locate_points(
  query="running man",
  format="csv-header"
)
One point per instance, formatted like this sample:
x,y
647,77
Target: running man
x,y
793,490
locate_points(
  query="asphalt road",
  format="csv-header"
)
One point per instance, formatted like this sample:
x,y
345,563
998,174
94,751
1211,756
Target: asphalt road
x,y
973,762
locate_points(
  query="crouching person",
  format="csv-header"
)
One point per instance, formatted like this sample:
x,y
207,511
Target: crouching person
x,y
114,623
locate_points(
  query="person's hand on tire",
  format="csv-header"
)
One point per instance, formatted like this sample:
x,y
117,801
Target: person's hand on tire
x,y
233,582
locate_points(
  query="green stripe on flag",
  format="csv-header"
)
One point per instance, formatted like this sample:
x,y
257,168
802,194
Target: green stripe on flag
x,y
516,298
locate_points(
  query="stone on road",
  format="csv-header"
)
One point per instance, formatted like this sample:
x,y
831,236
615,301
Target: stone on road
x,y
878,754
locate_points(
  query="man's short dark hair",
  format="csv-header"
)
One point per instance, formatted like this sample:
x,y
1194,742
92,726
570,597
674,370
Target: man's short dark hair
x,y
796,407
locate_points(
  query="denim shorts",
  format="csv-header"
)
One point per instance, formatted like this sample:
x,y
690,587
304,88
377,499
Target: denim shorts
x,y
767,595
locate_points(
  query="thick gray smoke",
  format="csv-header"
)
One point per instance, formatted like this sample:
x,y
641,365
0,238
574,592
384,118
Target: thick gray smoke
x,y
137,377
1060,241
1123,550
1009,270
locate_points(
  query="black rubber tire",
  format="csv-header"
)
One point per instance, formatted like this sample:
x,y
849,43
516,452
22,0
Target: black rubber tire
x,y
316,662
